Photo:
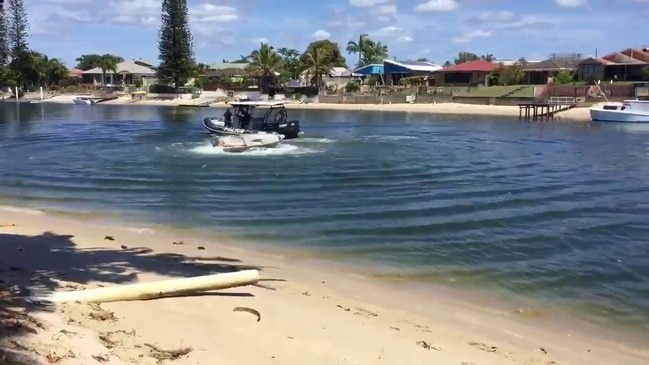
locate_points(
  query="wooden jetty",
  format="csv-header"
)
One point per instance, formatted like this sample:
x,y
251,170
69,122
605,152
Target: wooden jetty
x,y
546,109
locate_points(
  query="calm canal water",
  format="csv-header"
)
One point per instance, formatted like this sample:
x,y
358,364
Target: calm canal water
x,y
550,210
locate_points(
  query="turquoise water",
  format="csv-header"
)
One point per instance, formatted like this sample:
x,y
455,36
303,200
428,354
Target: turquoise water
x,y
548,210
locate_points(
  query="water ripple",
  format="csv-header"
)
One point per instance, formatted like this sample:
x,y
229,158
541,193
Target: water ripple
x,y
553,211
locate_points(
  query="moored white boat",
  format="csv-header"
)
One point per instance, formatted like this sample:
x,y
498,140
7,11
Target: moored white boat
x,y
244,142
630,111
83,100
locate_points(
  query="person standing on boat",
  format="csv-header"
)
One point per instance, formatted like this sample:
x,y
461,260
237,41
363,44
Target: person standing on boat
x,y
227,117
245,118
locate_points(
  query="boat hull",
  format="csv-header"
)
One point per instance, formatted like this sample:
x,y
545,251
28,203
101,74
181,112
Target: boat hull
x,y
619,116
242,143
82,102
289,129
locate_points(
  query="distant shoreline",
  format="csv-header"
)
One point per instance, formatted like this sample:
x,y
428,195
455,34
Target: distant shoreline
x,y
576,114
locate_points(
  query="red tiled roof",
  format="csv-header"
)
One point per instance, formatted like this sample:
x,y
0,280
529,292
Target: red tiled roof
x,y
637,53
628,56
75,72
604,61
472,66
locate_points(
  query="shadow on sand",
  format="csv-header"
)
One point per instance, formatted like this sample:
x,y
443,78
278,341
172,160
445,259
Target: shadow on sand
x,y
38,265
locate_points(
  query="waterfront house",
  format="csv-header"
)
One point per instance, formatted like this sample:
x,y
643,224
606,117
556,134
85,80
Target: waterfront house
x,y
631,64
539,73
75,73
472,73
396,70
126,73
391,71
336,78
230,76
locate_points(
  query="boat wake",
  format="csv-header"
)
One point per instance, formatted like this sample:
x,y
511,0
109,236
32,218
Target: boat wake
x,y
15,209
281,150
387,138
312,140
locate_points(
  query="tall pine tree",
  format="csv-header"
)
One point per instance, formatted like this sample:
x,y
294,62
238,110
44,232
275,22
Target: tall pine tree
x,y
4,47
177,62
17,32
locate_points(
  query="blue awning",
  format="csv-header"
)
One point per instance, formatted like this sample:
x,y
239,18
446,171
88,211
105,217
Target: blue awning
x,y
373,69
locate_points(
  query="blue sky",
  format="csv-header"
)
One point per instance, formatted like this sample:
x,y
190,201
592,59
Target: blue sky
x,y
435,29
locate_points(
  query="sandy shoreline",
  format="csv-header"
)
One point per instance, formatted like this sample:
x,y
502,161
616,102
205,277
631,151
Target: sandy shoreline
x,y
327,317
576,114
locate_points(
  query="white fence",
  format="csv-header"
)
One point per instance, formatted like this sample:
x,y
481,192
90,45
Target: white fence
x,y
563,100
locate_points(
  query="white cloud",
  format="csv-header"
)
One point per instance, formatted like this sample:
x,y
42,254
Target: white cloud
x,y
391,35
503,16
366,3
570,3
468,37
510,20
260,40
385,12
134,12
531,21
64,2
388,9
436,5
320,34
208,13
147,12
346,21
387,31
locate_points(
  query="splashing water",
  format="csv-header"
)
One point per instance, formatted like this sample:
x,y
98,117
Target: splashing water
x,y
282,149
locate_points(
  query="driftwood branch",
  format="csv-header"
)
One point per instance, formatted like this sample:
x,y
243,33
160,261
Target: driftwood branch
x,y
157,289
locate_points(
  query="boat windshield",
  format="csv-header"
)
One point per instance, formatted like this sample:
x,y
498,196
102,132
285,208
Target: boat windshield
x,y
259,112
258,118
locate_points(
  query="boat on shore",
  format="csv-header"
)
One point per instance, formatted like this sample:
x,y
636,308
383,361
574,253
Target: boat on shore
x,y
84,100
245,142
629,111
249,117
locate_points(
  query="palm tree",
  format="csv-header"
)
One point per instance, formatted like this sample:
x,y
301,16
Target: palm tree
x,y
375,53
44,71
107,63
316,65
364,43
488,57
56,71
265,63
291,61
38,68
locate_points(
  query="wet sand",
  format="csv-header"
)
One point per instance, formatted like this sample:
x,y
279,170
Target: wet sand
x,y
308,312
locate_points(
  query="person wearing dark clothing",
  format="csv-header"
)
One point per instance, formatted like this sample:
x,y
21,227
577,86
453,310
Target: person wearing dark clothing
x,y
227,117
245,119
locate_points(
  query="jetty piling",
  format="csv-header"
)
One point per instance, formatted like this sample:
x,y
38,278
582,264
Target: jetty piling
x,y
546,109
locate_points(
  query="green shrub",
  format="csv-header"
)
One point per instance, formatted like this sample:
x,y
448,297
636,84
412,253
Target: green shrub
x,y
162,89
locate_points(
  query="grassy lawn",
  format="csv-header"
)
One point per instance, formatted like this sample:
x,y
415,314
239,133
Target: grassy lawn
x,y
524,92
498,91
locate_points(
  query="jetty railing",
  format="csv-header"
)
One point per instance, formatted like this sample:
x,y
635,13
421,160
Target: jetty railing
x,y
562,100
546,109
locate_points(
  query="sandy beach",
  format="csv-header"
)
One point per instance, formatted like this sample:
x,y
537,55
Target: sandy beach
x,y
576,114
308,313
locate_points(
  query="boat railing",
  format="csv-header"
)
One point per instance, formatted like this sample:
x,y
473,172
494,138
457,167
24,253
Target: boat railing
x,y
563,100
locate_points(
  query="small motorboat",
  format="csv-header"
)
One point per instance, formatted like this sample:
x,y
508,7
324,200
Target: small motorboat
x,y
84,100
252,117
630,111
244,142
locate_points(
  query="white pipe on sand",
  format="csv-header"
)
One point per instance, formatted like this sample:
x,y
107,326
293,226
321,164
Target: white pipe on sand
x,y
156,289
16,94
42,93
